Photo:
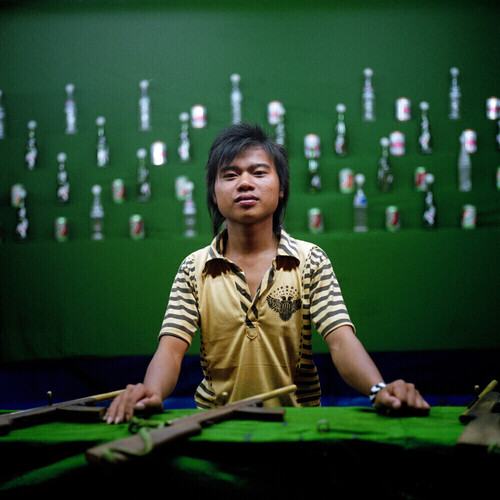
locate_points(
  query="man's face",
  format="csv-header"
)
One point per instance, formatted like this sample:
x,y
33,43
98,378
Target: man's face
x,y
248,189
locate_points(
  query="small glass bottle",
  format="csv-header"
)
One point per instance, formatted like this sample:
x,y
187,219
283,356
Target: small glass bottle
x,y
454,95
70,110
360,204
189,212
144,107
184,142
314,176
2,118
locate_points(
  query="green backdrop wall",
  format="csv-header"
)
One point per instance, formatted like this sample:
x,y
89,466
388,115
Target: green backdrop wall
x,y
411,290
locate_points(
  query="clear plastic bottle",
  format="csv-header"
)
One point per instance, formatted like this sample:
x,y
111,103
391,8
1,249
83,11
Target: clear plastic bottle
x,y
368,97
31,156
189,212
430,210
236,98
184,142
102,143
425,137
144,107
384,173
2,118
97,214
464,167
314,176
70,110
454,95
62,191
340,142
143,183
360,204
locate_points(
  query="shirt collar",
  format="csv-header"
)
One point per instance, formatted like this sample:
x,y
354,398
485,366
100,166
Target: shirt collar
x,y
287,248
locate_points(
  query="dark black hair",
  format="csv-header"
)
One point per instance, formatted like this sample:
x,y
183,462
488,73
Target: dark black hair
x,y
230,143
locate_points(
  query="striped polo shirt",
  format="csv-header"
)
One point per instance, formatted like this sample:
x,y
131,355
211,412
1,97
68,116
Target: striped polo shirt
x,y
249,347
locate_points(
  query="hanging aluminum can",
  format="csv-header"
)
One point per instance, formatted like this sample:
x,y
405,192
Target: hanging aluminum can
x,y
420,173
158,153
17,194
392,221
136,227
198,116
397,147
470,140
469,216
118,191
493,108
275,112
61,229
315,220
403,109
346,180
312,146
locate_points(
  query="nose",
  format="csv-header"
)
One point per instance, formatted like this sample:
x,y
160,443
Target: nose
x,y
245,182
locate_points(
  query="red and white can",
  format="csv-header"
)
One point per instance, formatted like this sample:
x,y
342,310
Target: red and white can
x,y
420,175
275,112
315,220
397,147
403,109
469,216
470,140
118,190
198,116
346,180
493,108
312,146
136,227
61,229
392,221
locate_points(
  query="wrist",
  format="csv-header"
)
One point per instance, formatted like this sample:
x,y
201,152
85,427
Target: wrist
x,y
374,391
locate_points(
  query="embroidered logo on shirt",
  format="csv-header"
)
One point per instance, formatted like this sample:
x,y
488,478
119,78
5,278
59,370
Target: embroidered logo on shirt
x,y
285,302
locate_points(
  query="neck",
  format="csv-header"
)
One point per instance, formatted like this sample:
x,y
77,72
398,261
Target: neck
x,y
250,239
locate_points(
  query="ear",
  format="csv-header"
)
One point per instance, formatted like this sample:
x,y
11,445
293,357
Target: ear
x,y
281,193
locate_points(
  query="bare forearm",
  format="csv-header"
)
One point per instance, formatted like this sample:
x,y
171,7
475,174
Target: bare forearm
x,y
163,371
353,363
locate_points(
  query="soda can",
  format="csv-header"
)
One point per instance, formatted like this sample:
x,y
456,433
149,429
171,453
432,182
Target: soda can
x,y
118,191
420,173
17,195
198,116
346,180
392,221
315,220
492,108
312,146
397,147
469,217
470,140
158,153
61,229
403,109
136,227
275,112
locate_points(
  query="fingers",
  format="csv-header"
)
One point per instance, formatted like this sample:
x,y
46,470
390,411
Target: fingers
x,y
122,407
400,396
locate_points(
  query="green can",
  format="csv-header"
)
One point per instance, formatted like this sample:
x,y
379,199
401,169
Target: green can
x,y
136,227
315,220
392,222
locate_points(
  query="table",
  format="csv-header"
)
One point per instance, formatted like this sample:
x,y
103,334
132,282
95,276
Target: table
x,y
350,450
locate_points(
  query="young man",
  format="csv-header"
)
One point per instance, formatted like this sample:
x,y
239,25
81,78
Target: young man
x,y
254,295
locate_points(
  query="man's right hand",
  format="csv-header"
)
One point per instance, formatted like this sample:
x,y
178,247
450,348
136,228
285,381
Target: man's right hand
x,y
134,397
